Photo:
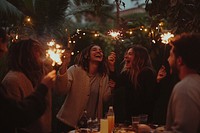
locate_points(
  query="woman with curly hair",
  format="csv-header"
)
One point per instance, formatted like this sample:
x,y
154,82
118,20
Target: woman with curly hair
x,y
87,87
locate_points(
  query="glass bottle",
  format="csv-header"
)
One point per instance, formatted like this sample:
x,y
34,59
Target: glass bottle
x,y
83,120
111,119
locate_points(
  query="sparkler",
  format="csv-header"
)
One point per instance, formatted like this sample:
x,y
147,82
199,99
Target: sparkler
x,y
55,52
166,37
114,34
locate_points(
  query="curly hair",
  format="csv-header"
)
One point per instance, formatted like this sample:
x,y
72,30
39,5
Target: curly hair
x,y
82,59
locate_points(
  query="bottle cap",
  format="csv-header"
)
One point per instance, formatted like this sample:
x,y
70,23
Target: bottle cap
x,y
110,107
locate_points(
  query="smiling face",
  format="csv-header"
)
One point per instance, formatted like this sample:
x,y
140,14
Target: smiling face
x,y
128,58
96,54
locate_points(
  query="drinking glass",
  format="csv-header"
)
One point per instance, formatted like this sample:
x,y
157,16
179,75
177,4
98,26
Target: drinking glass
x,y
143,118
135,122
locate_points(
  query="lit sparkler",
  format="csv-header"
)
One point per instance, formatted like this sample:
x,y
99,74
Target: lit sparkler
x,y
114,34
166,37
55,52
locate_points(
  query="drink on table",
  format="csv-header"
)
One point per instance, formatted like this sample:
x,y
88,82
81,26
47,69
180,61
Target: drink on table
x,y
111,119
135,122
143,118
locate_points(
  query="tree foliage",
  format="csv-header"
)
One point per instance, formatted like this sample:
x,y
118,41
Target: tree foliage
x,y
182,15
9,13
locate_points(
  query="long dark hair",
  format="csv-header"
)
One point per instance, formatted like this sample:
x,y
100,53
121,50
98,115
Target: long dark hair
x,y
141,61
83,58
21,57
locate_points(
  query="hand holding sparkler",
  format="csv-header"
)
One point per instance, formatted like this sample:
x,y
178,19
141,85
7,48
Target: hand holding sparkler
x,y
166,38
55,52
111,61
49,79
111,65
65,61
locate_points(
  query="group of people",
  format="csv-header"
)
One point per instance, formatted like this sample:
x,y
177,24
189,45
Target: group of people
x,y
93,82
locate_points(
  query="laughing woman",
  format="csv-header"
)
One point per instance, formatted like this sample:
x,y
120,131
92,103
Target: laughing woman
x,y
87,87
134,94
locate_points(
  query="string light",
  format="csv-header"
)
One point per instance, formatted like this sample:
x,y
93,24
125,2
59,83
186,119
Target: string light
x,y
72,53
17,37
96,34
28,19
161,24
78,31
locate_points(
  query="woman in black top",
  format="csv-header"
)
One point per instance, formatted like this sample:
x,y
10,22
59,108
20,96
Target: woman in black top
x,y
134,94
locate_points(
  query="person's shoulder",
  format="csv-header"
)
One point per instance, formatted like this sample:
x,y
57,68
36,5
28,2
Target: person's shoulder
x,y
192,84
76,68
188,84
13,81
13,75
188,88
193,79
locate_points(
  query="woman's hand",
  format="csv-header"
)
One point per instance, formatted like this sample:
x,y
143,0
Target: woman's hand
x,y
161,74
49,79
111,61
65,61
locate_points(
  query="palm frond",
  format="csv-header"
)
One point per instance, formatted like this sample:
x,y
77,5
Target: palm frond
x,y
7,10
58,14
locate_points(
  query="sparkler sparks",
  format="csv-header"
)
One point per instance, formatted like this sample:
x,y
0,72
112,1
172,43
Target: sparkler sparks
x,y
114,34
55,52
166,37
